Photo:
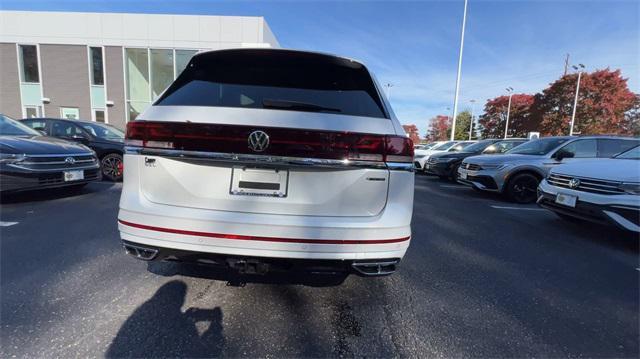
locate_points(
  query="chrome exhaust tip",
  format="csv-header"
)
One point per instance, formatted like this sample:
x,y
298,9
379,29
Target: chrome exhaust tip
x,y
375,268
139,252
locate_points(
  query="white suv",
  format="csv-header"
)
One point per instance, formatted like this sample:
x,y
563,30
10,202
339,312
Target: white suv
x,y
602,191
259,159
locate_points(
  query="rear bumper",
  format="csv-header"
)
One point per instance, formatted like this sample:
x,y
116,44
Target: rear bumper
x,y
385,235
622,211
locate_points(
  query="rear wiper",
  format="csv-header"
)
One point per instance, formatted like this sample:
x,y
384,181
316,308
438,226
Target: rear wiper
x,y
294,105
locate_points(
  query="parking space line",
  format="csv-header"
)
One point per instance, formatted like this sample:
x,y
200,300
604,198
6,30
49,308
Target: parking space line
x,y
453,186
519,208
7,224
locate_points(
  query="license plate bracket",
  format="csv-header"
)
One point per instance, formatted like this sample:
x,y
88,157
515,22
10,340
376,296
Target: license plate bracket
x,y
259,182
566,199
73,175
463,174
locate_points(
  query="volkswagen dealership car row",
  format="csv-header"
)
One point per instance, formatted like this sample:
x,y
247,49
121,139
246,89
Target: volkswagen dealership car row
x,y
580,178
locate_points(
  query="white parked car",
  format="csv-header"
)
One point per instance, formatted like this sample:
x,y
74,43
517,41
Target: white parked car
x,y
603,191
259,159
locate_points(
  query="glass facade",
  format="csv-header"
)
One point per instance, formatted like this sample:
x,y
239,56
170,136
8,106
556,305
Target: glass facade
x,y
148,73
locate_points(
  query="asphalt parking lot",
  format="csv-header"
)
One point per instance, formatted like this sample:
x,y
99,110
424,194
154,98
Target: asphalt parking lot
x,y
482,278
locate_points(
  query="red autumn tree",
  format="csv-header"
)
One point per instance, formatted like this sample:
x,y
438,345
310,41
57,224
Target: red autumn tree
x,y
493,122
412,131
603,100
439,128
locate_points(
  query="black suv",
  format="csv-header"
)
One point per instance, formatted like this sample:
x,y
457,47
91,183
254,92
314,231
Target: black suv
x,y
107,141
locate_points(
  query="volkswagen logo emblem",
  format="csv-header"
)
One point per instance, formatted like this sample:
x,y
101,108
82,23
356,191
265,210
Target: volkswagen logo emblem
x,y
574,183
70,160
258,141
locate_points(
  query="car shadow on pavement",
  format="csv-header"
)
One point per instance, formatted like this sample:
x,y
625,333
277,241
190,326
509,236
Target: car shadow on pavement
x,y
234,278
159,328
54,193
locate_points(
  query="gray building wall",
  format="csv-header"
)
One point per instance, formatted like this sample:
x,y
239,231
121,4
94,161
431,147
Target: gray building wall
x,y
65,79
115,86
9,82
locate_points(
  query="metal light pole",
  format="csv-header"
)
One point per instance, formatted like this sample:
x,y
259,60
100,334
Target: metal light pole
x,y
473,102
506,127
575,100
455,99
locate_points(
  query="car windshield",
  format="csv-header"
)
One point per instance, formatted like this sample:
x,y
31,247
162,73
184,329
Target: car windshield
x,y
444,146
538,147
632,154
104,131
478,146
11,127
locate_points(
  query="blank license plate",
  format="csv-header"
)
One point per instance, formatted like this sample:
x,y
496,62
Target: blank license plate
x,y
73,176
566,199
463,174
259,182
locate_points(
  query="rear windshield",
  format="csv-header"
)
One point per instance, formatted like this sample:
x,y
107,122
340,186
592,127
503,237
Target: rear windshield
x,y
276,79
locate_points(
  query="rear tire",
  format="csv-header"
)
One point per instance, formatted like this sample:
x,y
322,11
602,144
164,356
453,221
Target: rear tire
x,y
522,188
111,166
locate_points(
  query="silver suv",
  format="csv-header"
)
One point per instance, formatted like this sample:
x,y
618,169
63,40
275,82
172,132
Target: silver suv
x,y
518,172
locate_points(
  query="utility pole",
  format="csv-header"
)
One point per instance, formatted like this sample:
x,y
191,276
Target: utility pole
x,y
575,100
473,102
566,65
455,99
506,127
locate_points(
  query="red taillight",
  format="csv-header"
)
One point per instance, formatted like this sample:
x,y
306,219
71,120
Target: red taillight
x,y
282,141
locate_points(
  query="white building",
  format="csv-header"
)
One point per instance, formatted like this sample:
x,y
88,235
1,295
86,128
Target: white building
x,y
107,67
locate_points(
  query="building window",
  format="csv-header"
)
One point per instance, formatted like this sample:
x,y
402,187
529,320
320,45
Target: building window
x,y
99,115
97,73
161,71
32,111
137,73
182,59
71,113
29,63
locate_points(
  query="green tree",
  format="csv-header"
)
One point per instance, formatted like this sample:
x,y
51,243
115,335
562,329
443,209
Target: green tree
x,y
463,120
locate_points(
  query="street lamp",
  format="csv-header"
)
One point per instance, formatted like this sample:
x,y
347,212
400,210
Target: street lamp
x,y
473,102
575,100
455,99
388,86
506,127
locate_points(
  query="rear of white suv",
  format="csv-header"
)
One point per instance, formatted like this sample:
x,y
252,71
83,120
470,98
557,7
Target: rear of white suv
x,y
254,155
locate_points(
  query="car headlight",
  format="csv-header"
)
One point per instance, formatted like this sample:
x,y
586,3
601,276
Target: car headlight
x,y
498,167
631,188
11,157
417,157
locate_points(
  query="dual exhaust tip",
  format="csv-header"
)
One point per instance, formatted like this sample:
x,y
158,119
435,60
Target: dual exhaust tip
x,y
375,268
143,253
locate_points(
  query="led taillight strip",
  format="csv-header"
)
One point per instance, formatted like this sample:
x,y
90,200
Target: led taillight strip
x,y
240,237
283,141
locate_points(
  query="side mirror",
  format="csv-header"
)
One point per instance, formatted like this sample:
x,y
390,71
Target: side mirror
x,y
562,154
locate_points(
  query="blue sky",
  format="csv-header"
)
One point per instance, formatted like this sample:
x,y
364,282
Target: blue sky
x,y
414,44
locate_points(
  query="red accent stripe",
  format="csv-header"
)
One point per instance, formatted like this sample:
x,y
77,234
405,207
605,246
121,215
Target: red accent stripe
x,y
263,239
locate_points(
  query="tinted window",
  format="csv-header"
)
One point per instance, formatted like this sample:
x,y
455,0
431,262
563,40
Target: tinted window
x,y
40,125
29,63
478,146
97,75
538,147
283,80
103,131
582,148
65,129
608,147
632,154
444,146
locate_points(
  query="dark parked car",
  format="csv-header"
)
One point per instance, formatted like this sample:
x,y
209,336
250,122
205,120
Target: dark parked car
x,y
107,141
29,160
445,164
